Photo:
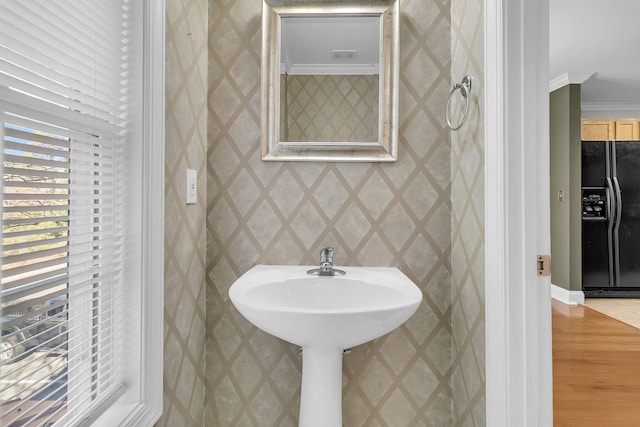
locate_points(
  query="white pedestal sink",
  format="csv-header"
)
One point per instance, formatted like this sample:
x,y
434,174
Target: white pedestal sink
x,y
324,315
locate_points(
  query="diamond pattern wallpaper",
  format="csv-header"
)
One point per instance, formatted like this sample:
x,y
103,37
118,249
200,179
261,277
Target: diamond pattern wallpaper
x,y
331,108
373,214
185,139
467,219
422,214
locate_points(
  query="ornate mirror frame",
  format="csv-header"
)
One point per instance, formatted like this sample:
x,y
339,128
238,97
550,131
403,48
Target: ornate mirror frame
x,y
383,150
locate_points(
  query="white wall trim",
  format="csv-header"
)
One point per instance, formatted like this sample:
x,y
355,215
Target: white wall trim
x,y
569,78
566,296
517,308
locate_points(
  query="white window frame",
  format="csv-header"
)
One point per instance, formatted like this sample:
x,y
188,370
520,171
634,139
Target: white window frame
x,y
141,405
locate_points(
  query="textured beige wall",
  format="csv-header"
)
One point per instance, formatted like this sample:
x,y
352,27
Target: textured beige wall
x,y
467,222
184,312
332,108
373,214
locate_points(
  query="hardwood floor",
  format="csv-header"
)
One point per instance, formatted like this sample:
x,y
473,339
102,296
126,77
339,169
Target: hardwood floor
x,y
596,369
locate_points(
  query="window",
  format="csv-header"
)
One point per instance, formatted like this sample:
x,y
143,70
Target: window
x,y
81,130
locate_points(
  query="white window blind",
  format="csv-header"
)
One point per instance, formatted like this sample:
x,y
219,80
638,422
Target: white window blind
x,y
70,108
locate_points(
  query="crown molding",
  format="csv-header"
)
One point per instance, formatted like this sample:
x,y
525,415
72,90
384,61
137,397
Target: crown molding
x,y
611,106
569,78
333,69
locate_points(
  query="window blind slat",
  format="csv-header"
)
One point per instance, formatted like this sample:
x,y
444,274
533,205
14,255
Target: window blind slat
x,y
28,106
107,272
30,256
27,138
32,244
31,185
25,233
35,196
18,73
33,221
34,267
57,208
105,156
22,299
57,95
35,161
30,172
95,153
31,294
69,132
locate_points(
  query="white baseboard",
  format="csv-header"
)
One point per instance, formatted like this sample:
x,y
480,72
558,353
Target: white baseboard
x,y
565,296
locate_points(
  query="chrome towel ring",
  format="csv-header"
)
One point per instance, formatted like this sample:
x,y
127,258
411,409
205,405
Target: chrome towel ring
x,y
465,90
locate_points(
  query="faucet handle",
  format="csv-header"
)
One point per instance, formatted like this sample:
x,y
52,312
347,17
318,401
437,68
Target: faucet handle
x,y
326,255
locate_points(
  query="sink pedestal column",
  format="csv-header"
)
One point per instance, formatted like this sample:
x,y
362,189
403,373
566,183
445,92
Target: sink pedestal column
x,y
321,394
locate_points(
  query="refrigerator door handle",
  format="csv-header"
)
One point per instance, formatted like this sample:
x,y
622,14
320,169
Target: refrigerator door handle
x,y
612,172
610,207
618,193
611,212
616,228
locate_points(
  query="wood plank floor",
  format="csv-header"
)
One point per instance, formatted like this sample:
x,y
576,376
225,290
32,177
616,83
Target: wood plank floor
x,y
596,369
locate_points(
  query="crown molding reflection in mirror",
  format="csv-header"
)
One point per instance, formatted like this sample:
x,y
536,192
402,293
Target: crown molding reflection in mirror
x,y
275,136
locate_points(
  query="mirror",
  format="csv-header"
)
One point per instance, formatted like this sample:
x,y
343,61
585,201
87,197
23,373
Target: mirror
x,y
329,80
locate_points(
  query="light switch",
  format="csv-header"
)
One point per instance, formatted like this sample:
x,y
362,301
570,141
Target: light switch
x,y
561,196
192,186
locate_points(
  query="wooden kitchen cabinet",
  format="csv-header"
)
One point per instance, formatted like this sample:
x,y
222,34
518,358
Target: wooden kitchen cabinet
x,y
627,130
610,129
598,130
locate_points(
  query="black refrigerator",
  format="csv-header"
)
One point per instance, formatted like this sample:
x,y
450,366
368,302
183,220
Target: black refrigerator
x,y
611,218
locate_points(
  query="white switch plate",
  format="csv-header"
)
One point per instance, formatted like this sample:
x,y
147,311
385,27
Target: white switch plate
x,y
192,186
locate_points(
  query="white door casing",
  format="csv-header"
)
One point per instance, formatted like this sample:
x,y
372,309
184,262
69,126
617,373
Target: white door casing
x,y
518,318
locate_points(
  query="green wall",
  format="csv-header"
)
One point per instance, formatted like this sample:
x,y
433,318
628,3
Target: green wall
x,y
566,227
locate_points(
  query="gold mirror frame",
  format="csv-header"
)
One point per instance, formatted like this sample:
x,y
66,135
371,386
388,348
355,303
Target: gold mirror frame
x,y
383,150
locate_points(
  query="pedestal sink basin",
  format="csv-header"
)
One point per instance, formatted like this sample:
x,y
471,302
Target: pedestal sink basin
x,y
324,315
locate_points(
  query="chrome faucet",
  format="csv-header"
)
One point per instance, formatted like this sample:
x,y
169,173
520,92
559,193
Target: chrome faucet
x,y
326,264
